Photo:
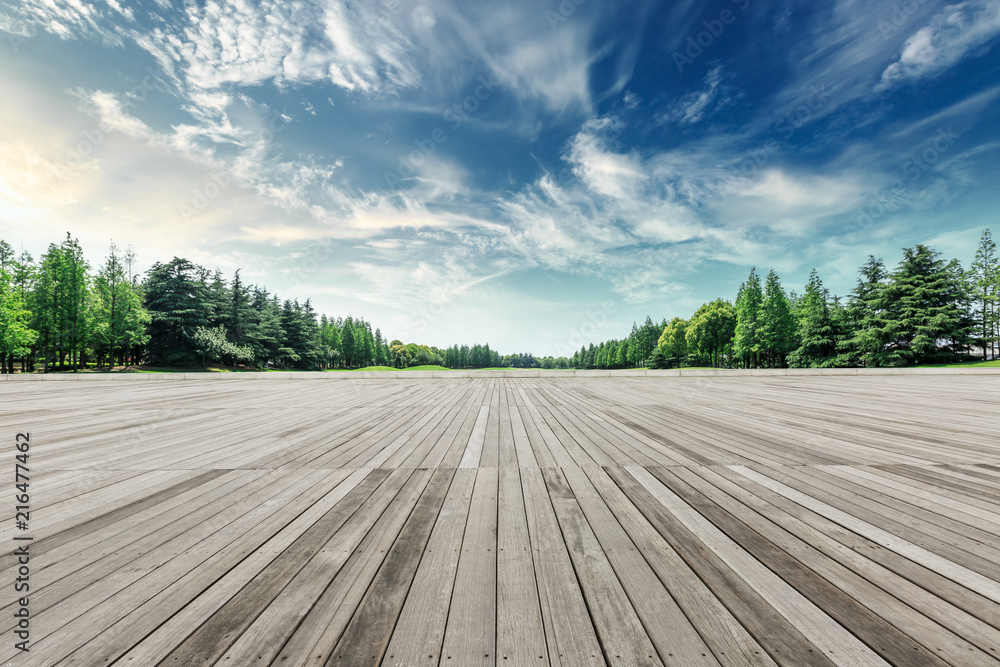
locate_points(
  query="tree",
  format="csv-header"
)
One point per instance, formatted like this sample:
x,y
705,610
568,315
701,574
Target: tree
x,y
777,325
866,314
928,301
621,354
817,336
711,329
59,304
16,335
176,298
673,345
747,340
658,359
984,280
238,312
121,321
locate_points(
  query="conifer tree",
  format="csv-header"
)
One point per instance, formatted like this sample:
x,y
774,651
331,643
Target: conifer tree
x,y
777,325
867,313
984,279
747,340
817,333
928,300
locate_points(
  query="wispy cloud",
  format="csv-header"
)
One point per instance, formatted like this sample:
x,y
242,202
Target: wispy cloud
x,y
951,35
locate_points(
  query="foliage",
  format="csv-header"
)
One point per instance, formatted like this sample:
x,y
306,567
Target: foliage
x,y
817,333
711,330
984,283
747,341
56,313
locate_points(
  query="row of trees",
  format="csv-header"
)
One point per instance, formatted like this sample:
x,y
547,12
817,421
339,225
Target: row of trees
x,y
57,313
633,351
926,310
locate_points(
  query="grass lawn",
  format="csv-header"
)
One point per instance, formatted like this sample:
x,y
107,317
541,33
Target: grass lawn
x,y
390,368
966,364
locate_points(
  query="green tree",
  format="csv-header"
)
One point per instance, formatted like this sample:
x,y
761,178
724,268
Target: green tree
x,y
121,321
867,318
621,354
747,340
777,325
16,335
817,333
213,344
673,345
984,280
176,298
59,304
711,329
929,308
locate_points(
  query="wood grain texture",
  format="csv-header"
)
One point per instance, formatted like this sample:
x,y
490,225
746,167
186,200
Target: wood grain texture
x,y
736,521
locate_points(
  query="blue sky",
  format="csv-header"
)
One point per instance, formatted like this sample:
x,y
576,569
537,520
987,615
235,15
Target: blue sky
x,y
534,175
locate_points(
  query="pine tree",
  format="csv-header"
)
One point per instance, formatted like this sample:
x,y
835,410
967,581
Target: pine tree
x,y
929,320
777,325
817,332
867,317
176,298
747,341
984,279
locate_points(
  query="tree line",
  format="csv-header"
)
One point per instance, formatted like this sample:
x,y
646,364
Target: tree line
x,y
925,310
58,314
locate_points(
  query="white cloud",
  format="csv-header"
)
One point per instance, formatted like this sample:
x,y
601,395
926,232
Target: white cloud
x,y
952,34
694,106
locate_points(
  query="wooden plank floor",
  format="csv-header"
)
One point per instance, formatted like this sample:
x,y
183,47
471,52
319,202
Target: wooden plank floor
x,y
509,521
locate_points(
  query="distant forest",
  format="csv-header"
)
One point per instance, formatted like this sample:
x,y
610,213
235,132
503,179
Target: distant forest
x,y
58,314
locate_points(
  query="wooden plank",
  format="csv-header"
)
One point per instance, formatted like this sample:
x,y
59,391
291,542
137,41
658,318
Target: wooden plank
x,y
728,640
419,632
470,635
265,637
520,633
367,635
219,631
474,447
783,642
319,631
954,571
569,632
675,639
623,638
890,643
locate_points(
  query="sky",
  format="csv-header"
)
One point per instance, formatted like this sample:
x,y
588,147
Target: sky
x,y
535,175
